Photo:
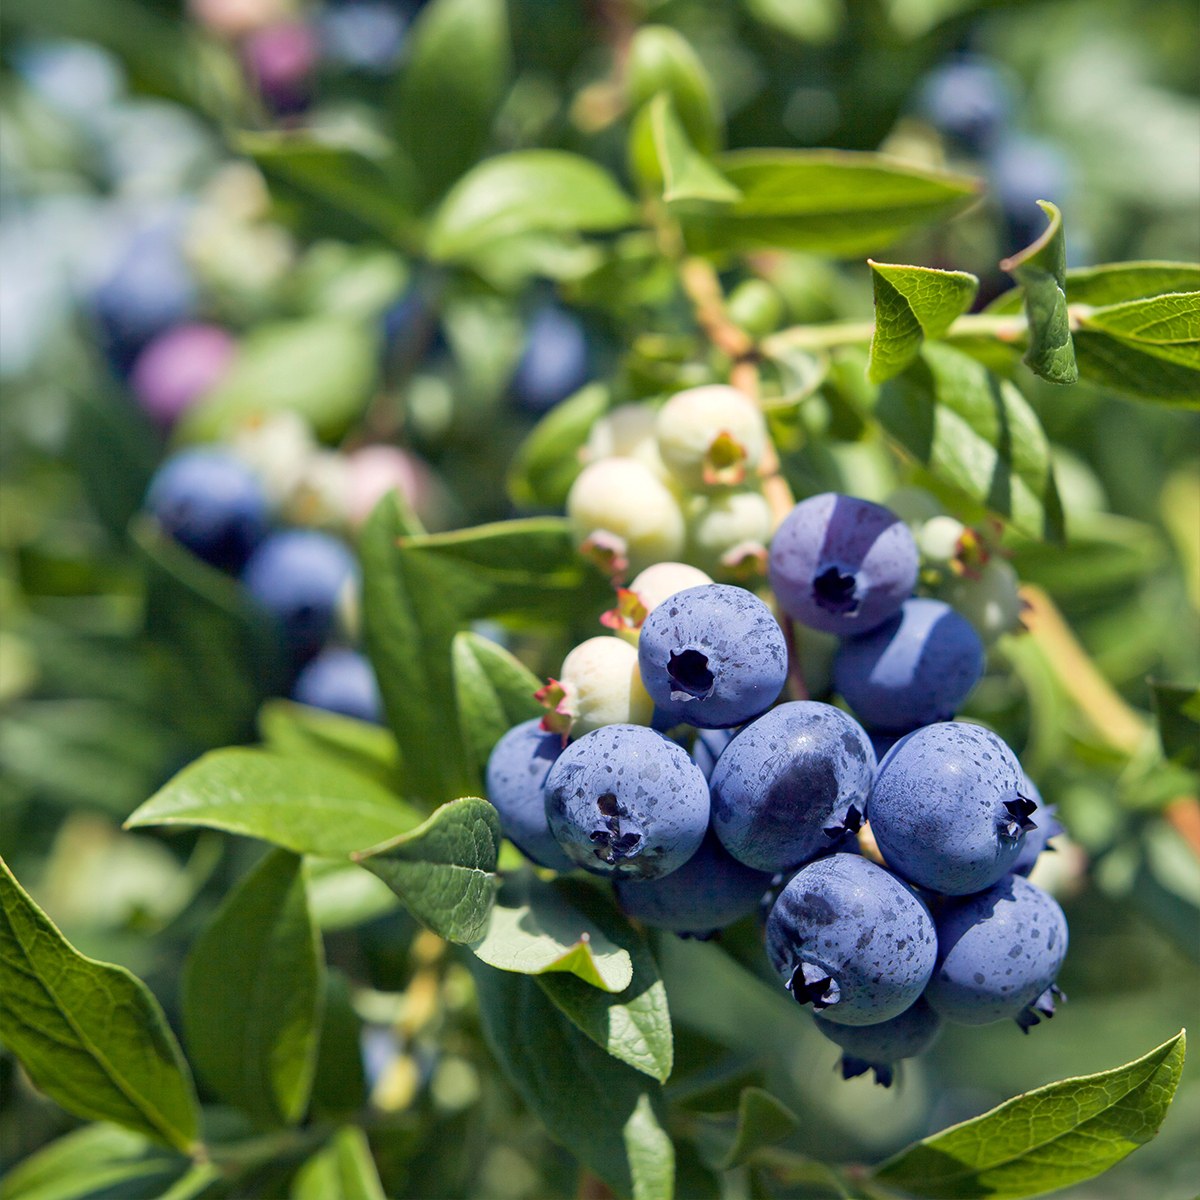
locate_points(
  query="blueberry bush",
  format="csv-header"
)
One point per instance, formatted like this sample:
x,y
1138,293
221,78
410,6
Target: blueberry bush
x,y
599,600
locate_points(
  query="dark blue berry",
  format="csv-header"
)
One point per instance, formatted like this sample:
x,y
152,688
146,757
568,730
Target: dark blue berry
x,y
1036,839
880,1047
968,99
555,361
340,681
709,745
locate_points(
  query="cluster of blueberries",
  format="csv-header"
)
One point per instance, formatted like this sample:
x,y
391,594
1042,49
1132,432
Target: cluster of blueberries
x,y
895,890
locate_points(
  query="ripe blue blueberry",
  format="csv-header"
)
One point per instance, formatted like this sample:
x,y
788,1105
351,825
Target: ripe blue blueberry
x,y
340,681
851,939
969,100
624,800
1024,170
555,361
516,785
998,955
947,809
210,503
300,575
916,668
712,656
709,745
1036,839
880,1047
791,784
841,564
711,890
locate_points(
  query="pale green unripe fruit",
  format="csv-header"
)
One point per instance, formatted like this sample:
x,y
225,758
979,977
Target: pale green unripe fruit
x,y
990,602
627,431
722,523
939,537
661,581
604,686
691,421
755,306
623,498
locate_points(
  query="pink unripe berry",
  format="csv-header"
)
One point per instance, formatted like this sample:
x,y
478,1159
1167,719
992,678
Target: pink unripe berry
x,y
377,470
281,57
180,366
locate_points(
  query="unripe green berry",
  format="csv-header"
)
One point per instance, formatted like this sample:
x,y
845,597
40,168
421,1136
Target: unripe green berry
x,y
755,306
727,522
989,601
604,686
710,435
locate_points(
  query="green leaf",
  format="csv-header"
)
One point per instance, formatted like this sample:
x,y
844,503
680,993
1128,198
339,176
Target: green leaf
x,y
975,432
90,1035
760,1121
342,1170
1112,283
252,991
342,895
912,304
1166,326
454,77
582,1095
662,60
1041,270
525,191
839,202
372,188
339,1086
651,1155
1178,710
547,461
1049,1138
323,368
686,174
494,691
1133,368
303,804
292,729
444,870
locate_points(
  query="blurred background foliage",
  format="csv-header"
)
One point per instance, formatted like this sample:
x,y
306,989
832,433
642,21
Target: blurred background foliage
x,y
150,173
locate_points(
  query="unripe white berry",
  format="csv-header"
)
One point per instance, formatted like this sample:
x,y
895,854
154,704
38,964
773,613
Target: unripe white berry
x,y
661,581
626,432
722,523
623,499
990,601
939,538
604,686
279,449
698,428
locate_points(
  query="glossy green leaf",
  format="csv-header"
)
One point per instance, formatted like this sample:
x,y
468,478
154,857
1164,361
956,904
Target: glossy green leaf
x,y
303,804
444,870
651,1154
729,1141
805,20
90,1035
195,1180
342,1170
582,1095
1048,1138
547,461
1166,326
1177,708
686,174
975,432
1041,269
522,192
1113,283
494,691
838,202
912,304
323,368
1134,368
454,77
661,60
252,993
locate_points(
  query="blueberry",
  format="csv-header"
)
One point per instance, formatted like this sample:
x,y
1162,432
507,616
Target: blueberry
x,y
1046,827
627,801
1023,171
880,1047
178,367
708,747
841,564
363,34
990,599
210,503
851,939
300,576
340,681
916,668
713,656
555,361
516,785
791,784
998,955
969,100
947,809
711,890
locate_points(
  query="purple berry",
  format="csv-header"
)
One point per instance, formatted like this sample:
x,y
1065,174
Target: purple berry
x,y
947,809
851,939
712,656
914,669
841,564
1036,839
791,784
178,367
555,361
709,745
968,99
340,681
624,800
880,1047
998,955
516,785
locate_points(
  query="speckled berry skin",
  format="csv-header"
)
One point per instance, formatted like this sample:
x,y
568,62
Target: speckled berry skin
x,y
939,812
516,785
627,801
709,745
711,890
916,668
712,656
786,779
841,564
878,1047
998,952
852,939
1035,839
